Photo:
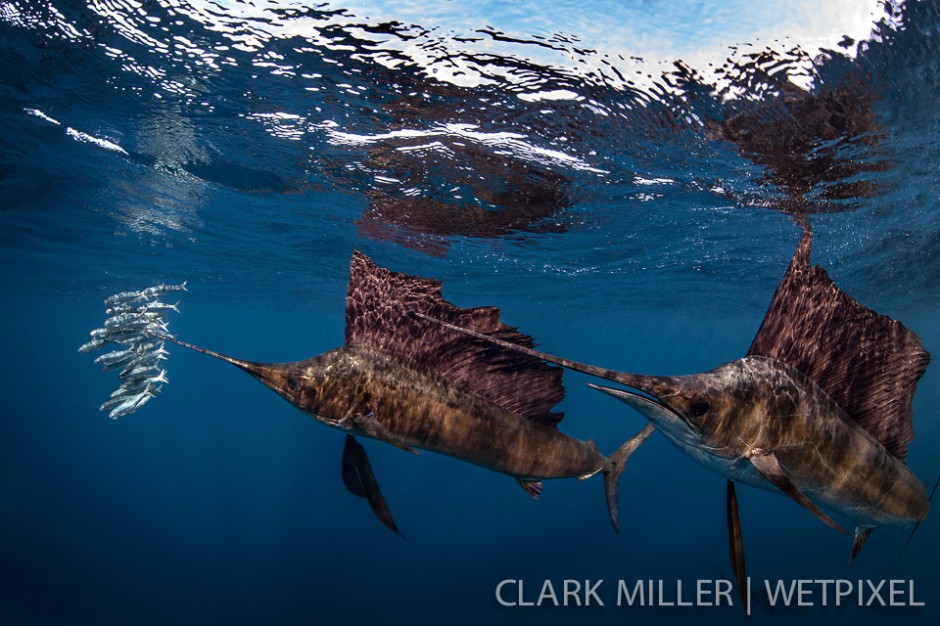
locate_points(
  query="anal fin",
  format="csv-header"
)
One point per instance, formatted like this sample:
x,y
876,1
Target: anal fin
x,y
360,481
861,534
767,464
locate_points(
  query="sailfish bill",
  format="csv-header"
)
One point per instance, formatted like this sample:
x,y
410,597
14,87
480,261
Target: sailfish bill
x,y
819,410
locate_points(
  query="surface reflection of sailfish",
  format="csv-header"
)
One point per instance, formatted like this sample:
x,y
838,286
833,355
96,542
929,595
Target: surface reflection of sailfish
x,y
818,148
407,381
821,147
460,189
440,182
819,410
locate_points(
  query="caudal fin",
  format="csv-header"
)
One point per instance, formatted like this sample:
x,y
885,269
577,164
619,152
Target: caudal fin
x,y
618,462
933,492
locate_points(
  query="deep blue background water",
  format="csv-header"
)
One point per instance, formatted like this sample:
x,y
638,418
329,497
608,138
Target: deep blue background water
x,y
254,173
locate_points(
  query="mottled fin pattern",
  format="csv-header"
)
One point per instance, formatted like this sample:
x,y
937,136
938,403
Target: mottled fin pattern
x,y
379,315
868,363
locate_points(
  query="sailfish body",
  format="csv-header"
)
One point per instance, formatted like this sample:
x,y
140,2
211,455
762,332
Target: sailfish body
x,y
376,395
819,410
764,423
407,381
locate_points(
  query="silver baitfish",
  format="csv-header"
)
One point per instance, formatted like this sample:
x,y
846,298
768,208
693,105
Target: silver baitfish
x,y
122,297
134,387
156,305
116,356
137,323
160,354
130,405
122,320
123,307
95,344
138,371
159,290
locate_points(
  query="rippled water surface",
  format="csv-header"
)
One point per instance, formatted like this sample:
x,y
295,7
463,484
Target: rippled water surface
x,y
625,180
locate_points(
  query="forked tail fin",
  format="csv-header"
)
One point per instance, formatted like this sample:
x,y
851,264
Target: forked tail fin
x,y
933,492
618,462
137,329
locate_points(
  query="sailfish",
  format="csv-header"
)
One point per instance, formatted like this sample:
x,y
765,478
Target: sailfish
x,y
819,409
407,381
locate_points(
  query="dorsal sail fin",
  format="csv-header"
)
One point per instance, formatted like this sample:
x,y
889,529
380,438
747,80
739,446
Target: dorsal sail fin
x,y
379,304
867,362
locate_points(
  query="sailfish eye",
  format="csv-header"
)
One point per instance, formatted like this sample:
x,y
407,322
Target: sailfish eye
x,y
700,408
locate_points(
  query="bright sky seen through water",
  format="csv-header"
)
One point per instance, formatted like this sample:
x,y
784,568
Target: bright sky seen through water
x,y
640,37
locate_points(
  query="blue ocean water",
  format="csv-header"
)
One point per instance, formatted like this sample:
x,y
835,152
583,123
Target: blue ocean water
x,y
623,180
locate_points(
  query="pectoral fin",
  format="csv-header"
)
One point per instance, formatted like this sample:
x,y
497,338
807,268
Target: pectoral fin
x,y
360,481
767,464
369,426
736,545
532,487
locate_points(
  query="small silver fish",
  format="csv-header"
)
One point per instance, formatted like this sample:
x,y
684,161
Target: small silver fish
x,y
117,356
134,316
159,379
159,290
147,330
94,344
127,337
154,326
122,320
156,305
132,387
146,345
119,365
139,330
124,307
130,405
152,357
116,399
124,296
138,371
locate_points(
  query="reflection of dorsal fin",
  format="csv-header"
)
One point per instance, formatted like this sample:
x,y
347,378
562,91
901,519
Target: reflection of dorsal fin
x,y
379,304
868,363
